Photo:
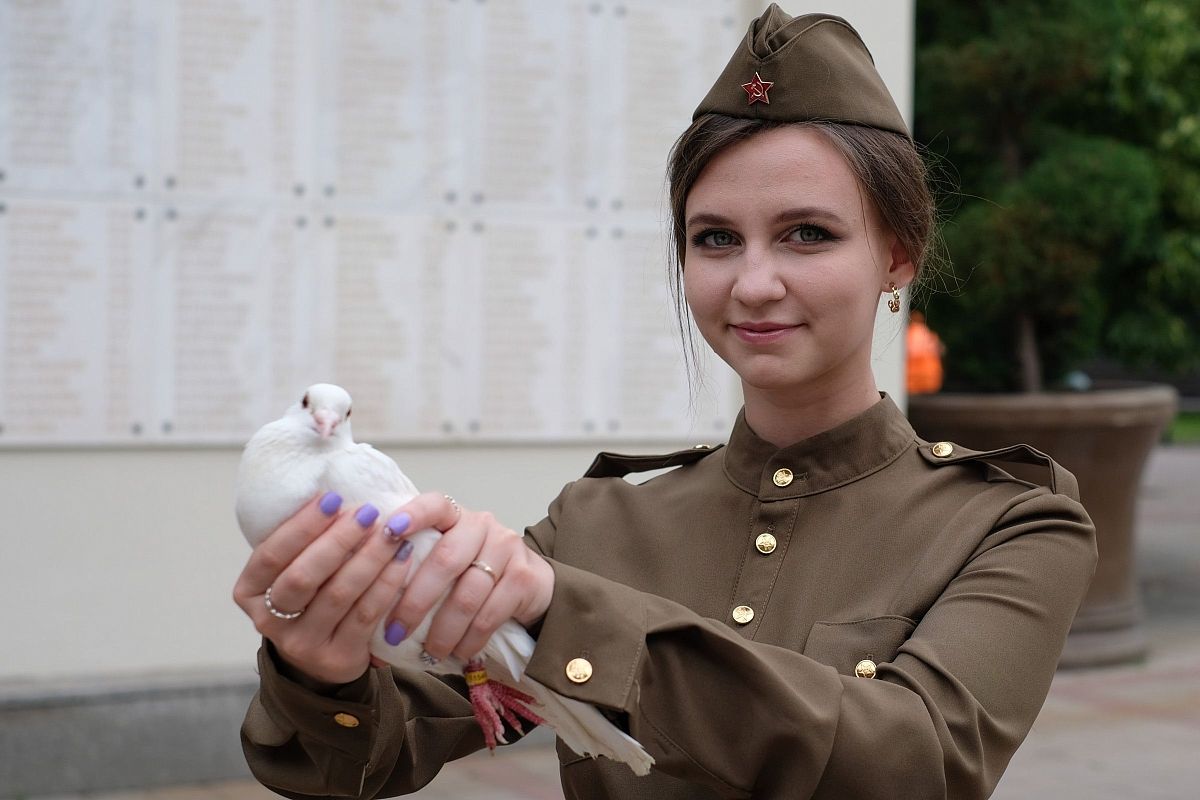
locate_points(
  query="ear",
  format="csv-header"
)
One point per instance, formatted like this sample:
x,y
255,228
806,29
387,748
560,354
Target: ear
x,y
901,269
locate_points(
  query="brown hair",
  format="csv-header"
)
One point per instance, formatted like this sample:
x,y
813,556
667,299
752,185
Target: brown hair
x,y
887,164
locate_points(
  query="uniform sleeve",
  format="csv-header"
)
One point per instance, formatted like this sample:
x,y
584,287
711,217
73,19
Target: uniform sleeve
x,y
387,733
755,720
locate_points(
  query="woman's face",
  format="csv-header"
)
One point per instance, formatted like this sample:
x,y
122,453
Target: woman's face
x,y
785,263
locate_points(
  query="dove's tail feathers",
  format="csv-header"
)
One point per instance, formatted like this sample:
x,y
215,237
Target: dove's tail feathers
x,y
585,730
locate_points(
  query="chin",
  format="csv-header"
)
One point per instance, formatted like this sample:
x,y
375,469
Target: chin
x,y
765,370
771,379
774,384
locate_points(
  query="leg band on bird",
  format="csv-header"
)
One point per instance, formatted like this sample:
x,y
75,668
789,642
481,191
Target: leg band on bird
x,y
494,703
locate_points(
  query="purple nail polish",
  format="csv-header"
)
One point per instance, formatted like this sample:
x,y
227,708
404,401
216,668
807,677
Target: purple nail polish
x,y
330,503
398,524
394,633
405,550
367,515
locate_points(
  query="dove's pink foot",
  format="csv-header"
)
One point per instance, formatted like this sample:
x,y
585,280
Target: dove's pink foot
x,y
495,703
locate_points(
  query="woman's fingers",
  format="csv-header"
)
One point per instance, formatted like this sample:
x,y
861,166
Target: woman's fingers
x,y
277,551
343,572
350,597
450,556
522,594
295,587
431,510
472,607
479,571
469,567
499,607
363,576
379,596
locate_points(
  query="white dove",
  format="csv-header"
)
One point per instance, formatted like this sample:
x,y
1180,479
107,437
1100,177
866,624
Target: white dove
x,y
310,450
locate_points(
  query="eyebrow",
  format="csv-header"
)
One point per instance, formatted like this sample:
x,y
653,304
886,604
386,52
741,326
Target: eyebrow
x,y
787,215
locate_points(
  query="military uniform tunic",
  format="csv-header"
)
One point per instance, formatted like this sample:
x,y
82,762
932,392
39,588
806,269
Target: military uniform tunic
x,y
862,614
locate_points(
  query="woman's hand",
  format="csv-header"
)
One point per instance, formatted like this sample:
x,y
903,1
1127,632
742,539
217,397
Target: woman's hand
x,y
341,571
494,575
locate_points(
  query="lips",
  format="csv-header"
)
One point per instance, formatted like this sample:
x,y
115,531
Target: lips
x,y
762,327
762,332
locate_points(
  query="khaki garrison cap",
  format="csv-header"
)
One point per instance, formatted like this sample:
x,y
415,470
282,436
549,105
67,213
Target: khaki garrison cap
x,y
813,67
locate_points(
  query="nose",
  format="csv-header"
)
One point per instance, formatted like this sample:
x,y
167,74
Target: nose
x,y
758,280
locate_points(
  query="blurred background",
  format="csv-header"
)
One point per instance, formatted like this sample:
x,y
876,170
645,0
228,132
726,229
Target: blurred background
x,y
454,208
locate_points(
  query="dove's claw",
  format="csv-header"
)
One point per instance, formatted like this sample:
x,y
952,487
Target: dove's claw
x,y
492,701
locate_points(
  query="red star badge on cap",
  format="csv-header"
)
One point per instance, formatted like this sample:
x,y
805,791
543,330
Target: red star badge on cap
x,y
757,90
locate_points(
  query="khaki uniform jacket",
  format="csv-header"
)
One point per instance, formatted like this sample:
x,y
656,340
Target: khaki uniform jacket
x,y
957,583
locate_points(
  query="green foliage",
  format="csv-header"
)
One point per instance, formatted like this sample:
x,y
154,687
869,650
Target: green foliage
x,y
1074,126
1185,429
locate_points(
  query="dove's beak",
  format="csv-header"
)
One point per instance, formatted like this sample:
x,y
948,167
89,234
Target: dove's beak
x,y
326,421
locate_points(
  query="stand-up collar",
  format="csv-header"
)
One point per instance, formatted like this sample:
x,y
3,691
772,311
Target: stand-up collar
x,y
837,456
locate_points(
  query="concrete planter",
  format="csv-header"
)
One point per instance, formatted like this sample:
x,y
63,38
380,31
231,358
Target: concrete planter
x,y
1102,436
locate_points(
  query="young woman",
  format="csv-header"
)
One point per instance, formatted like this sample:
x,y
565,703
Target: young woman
x,y
825,607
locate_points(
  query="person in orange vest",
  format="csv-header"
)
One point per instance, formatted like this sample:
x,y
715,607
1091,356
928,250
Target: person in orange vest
x,y
924,356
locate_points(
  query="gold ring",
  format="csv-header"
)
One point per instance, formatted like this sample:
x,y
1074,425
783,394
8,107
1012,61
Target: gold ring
x,y
483,565
275,612
454,505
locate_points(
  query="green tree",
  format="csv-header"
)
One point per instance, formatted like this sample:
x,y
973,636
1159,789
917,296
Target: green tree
x,y
1074,128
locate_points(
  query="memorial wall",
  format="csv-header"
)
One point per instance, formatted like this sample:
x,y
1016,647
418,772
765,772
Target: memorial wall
x,y
454,208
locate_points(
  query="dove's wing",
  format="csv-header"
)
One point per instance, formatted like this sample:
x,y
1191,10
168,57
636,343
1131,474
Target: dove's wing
x,y
362,474
276,476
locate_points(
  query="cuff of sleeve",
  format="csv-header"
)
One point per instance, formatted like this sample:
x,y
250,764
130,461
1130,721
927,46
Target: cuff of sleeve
x,y
356,691
594,620
344,720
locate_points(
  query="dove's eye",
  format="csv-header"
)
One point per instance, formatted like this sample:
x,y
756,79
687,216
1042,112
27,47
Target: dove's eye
x,y
348,410
304,402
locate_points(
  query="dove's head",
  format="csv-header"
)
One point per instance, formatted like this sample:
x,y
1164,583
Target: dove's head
x,y
325,409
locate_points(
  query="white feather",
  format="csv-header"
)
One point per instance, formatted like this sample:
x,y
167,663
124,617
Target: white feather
x,y
289,461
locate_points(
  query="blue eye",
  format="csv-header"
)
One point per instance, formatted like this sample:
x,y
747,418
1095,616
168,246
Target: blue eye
x,y
809,234
714,238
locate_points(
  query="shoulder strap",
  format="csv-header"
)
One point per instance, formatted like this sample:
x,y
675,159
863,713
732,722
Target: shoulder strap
x,y
615,465
1061,480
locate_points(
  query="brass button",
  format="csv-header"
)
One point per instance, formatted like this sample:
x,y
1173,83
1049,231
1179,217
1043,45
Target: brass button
x,y
782,477
765,543
743,614
579,670
943,449
346,720
865,668
701,447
